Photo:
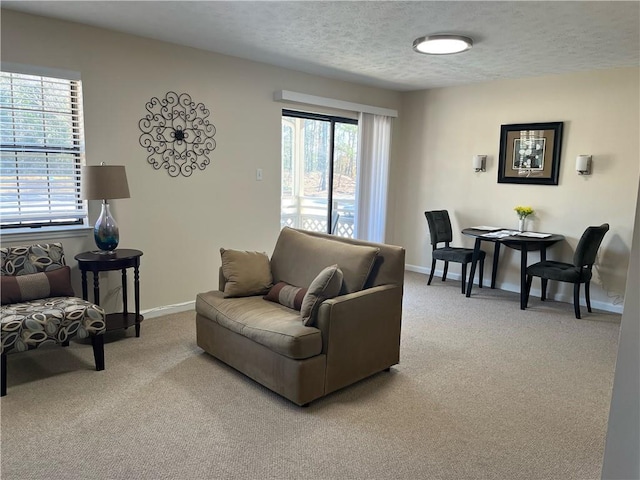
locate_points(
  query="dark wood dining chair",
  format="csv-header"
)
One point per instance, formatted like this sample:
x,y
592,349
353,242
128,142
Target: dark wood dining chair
x,y
440,231
578,272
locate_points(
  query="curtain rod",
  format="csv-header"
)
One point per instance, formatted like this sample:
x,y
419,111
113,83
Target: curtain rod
x,y
295,97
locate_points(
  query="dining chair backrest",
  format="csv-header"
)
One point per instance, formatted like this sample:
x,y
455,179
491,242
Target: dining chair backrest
x,y
589,244
439,226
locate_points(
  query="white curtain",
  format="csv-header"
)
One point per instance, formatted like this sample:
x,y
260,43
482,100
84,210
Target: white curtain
x,y
373,177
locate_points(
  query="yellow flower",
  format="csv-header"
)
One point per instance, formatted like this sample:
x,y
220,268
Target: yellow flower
x,y
523,212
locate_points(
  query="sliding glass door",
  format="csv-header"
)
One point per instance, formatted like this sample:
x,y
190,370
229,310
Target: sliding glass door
x,y
319,172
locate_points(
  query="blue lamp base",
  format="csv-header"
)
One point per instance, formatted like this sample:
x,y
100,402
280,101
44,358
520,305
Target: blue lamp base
x,y
105,231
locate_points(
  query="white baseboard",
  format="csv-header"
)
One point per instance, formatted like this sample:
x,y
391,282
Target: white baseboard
x,y
167,309
510,287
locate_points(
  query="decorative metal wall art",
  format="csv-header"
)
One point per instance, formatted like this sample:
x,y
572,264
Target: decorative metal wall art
x,y
177,134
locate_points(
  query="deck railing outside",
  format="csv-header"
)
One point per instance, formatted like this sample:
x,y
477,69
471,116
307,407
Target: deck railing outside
x,y
310,213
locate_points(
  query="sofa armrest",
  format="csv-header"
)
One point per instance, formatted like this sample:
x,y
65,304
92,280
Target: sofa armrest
x,y
360,334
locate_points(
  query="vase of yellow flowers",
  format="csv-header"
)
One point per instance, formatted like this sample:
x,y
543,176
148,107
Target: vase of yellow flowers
x,y
523,213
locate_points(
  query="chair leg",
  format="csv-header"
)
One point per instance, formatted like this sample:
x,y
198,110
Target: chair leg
x,y
433,269
576,299
97,341
526,295
481,274
586,296
543,295
3,373
464,278
444,272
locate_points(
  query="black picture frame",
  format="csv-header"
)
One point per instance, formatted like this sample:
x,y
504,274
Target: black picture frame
x,y
530,153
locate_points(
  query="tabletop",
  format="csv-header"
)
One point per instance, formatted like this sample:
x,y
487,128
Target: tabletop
x,y
508,236
113,256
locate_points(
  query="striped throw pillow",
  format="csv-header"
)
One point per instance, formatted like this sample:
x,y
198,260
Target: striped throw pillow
x,y
33,286
286,295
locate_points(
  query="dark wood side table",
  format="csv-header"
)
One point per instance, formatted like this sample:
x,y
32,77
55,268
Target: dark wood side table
x,y
119,259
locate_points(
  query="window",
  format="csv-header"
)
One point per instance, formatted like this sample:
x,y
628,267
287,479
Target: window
x,y
41,151
319,172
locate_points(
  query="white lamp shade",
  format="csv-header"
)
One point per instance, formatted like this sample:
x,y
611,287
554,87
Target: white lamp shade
x,y
478,162
583,163
104,182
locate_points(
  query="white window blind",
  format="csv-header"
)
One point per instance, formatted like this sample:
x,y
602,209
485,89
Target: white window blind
x,y
42,150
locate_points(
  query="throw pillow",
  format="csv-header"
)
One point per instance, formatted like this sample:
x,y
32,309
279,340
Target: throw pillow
x,y
245,273
326,285
22,288
286,295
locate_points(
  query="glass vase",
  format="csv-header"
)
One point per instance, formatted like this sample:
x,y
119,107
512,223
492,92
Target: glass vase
x,y
105,231
521,226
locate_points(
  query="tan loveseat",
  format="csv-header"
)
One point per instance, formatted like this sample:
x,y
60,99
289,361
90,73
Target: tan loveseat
x,y
353,335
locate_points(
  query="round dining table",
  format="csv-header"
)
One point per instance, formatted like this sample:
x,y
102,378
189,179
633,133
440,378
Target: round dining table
x,y
524,241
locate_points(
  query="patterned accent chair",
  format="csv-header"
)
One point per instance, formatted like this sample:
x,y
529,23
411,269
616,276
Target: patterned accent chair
x,y
39,306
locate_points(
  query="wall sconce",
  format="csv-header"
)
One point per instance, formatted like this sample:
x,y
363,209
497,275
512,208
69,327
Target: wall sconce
x,y
583,164
479,162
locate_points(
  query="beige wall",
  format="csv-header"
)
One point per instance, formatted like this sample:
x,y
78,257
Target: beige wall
x,y
179,223
440,130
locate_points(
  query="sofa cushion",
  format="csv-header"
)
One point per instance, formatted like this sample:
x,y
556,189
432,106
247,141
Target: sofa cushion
x,y
326,285
245,273
48,321
270,324
22,288
286,295
297,258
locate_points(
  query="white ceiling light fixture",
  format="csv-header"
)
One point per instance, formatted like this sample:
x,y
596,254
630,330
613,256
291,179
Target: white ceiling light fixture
x,y
442,44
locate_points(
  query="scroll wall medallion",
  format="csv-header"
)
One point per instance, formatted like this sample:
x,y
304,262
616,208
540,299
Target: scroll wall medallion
x,y
177,134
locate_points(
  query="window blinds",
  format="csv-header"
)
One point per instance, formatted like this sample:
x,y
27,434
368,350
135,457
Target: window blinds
x,y
41,151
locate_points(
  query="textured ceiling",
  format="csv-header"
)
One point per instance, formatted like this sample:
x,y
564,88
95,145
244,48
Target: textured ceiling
x,y
369,42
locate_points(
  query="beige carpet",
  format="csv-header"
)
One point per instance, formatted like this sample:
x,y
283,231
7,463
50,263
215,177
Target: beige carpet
x,y
483,391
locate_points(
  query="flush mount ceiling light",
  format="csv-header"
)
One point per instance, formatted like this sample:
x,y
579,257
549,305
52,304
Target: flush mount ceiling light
x,y
442,44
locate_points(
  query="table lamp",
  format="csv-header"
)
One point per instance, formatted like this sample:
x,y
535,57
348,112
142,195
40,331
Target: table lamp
x,y
104,182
